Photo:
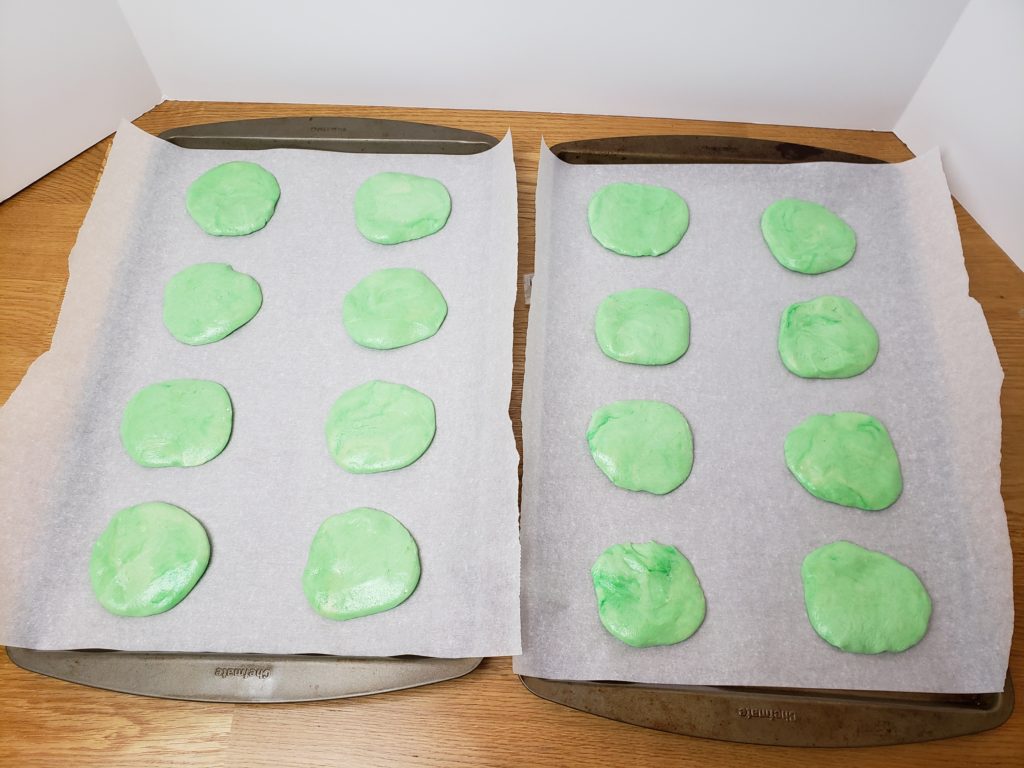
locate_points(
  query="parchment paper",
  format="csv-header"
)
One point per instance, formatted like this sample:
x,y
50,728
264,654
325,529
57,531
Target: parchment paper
x,y
741,518
63,473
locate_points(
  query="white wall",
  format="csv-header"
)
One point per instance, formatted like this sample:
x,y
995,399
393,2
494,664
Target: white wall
x,y
69,71
971,104
841,63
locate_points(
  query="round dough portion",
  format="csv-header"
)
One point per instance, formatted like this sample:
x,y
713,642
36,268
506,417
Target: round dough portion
x,y
177,423
647,594
638,219
827,338
807,237
643,326
379,426
148,559
641,445
397,207
862,601
236,198
206,302
393,308
846,458
360,562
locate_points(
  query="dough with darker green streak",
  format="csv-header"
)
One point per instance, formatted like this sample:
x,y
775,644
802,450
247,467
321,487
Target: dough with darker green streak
x,y
807,237
206,302
360,562
396,207
826,338
641,445
148,559
846,458
177,423
379,426
647,594
862,601
643,326
236,198
638,219
393,308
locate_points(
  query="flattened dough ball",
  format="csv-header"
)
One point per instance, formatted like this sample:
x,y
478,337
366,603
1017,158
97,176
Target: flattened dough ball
x,y
397,207
826,338
862,601
807,237
206,302
647,594
379,426
148,559
643,326
641,445
638,219
360,562
393,308
177,423
236,198
846,458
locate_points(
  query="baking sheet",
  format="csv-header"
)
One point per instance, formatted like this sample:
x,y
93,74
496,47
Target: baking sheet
x,y
63,473
741,518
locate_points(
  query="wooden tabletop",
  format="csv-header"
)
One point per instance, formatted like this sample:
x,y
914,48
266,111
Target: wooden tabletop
x,y
486,718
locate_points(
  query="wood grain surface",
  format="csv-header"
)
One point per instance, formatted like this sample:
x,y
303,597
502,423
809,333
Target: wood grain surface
x,y
486,718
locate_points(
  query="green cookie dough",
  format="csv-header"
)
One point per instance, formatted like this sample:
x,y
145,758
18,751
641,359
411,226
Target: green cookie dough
x,y
360,562
396,207
236,198
643,326
148,559
641,445
393,308
807,237
647,594
638,219
846,458
379,426
178,423
863,601
827,338
206,302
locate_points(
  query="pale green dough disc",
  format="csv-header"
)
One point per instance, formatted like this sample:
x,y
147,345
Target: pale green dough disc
x,y
638,219
641,445
396,207
178,423
361,562
643,326
393,308
379,426
827,338
236,198
148,559
863,601
206,302
647,594
847,458
807,237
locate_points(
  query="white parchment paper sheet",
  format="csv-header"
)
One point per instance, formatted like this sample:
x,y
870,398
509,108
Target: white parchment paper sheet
x,y
741,518
63,473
